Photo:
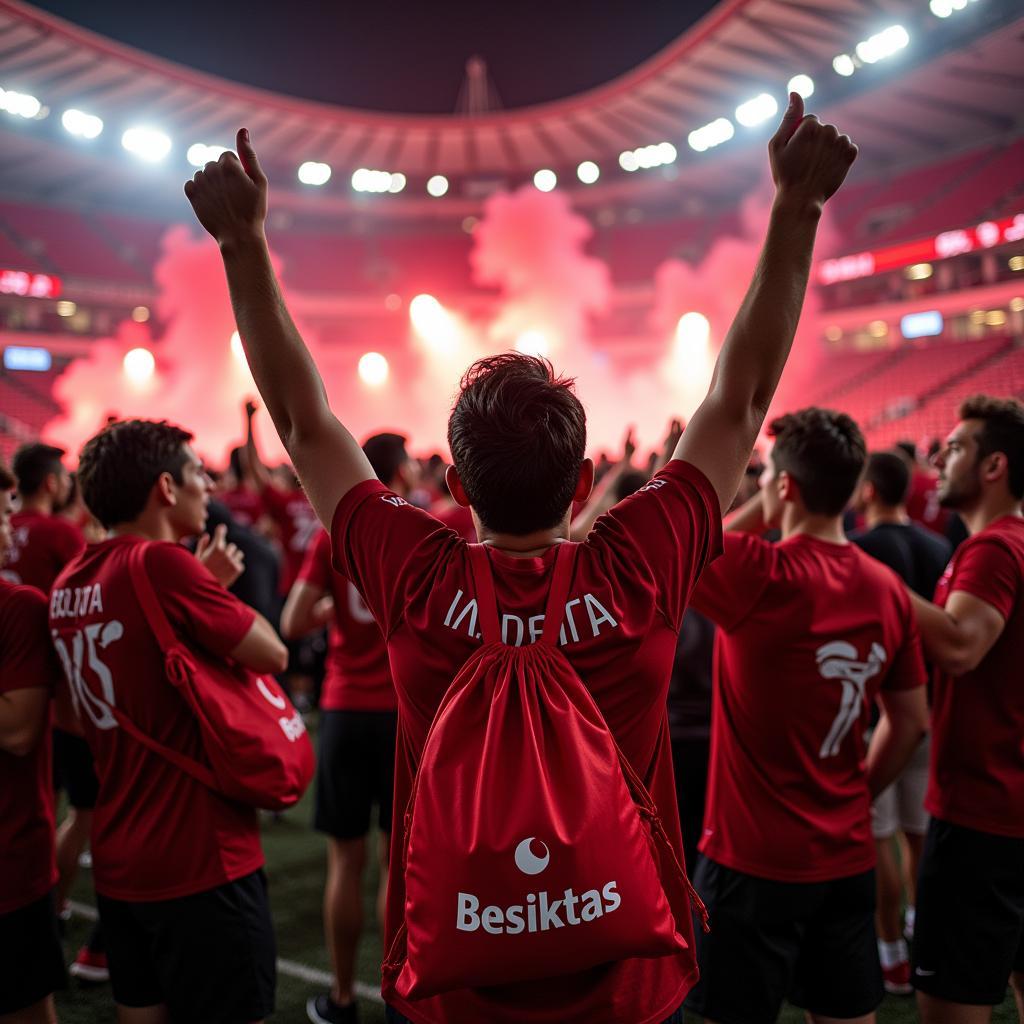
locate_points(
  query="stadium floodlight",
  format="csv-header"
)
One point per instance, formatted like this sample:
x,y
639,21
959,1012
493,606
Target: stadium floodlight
x,y
628,160
313,173
757,111
20,104
85,126
802,85
373,369
944,8
844,65
711,135
883,44
365,180
139,365
397,183
146,143
437,186
532,343
646,157
200,154
545,180
588,172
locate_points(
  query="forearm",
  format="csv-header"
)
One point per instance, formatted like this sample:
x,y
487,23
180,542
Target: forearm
x,y
748,518
944,641
892,746
281,365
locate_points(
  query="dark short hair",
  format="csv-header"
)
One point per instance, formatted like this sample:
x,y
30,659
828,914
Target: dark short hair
x,y
908,448
1002,431
387,456
889,474
119,467
517,435
33,463
824,452
7,481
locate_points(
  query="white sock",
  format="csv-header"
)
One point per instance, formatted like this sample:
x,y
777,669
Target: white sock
x,y
892,953
908,920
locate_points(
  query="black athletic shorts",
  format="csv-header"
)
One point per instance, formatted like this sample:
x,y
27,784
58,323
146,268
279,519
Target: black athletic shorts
x,y
969,925
211,956
355,770
73,770
31,958
813,943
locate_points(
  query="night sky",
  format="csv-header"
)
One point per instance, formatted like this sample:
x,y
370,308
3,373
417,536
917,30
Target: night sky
x,y
400,56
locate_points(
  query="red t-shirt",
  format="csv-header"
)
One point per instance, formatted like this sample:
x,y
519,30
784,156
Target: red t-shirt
x,y
157,833
977,759
297,525
42,546
457,517
632,578
246,506
28,860
358,676
923,501
810,631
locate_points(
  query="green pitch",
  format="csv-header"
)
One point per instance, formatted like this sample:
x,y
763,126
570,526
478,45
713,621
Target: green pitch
x,y
295,867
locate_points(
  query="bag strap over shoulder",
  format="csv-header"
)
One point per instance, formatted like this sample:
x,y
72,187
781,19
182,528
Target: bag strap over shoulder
x,y
487,602
149,602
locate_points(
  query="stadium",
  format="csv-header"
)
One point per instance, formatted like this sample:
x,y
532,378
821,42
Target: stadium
x,y
613,231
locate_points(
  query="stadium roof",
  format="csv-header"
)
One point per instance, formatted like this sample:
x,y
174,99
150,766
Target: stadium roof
x,y
957,84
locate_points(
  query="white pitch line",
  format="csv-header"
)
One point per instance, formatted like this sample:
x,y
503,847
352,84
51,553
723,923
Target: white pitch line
x,y
291,968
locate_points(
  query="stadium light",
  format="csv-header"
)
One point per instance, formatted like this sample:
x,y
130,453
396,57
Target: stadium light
x,y
373,369
918,272
692,331
66,308
85,126
628,160
313,173
757,111
883,44
146,143
545,180
588,172
433,323
944,8
20,104
647,157
437,186
802,85
532,343
365,180
710,135
139,365
200,154
397,183
844,65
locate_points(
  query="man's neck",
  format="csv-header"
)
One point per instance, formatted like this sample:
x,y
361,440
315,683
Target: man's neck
x,y
147,527
988,510
878,515
797,522
37,504
530,545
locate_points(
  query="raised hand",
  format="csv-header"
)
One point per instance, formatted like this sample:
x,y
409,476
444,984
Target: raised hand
x,y
628,447
229,195
250,409
809,160
224,560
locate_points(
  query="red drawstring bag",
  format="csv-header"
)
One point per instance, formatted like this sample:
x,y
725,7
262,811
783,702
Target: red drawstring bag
x,y
255,741
532,848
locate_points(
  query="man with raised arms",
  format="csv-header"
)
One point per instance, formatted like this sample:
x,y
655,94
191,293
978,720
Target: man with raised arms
x,y
632,576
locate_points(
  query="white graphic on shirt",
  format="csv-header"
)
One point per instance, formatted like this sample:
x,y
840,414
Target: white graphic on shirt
x,y
83,655
838,660
357,606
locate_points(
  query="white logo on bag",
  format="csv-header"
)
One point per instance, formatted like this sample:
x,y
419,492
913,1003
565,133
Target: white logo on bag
x,y
527,862
292,727
538,912
838,660
278,702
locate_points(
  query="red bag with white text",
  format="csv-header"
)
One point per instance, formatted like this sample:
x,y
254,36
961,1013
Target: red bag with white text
x,y
255,741
532,849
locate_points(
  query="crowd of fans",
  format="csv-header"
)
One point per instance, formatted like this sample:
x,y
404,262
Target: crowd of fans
x,y
754,635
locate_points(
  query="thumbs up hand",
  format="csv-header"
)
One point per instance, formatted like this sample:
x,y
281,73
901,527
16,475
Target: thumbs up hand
x,y
229,195
809,160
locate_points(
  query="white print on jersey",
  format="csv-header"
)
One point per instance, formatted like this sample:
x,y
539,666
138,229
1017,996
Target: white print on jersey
x,y
838,660
357,606
73,604
462,616
84,654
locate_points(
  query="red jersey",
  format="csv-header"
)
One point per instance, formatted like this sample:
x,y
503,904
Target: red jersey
x,y
297,525
810,631
28,859
157,833
358,676
632,578
43,545
456,517
977,758
923,500
246,506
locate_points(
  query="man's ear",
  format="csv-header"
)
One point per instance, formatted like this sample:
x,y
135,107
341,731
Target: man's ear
x,y
586,481
451,478
789,490
994,466
164,491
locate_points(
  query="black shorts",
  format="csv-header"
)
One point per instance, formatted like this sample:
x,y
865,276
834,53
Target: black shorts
x,y
31,958
810,942
969,926
355,770
210,957
73,770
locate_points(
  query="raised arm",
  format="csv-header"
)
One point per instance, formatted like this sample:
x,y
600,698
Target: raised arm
x,y
809,161
229,197
253,465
